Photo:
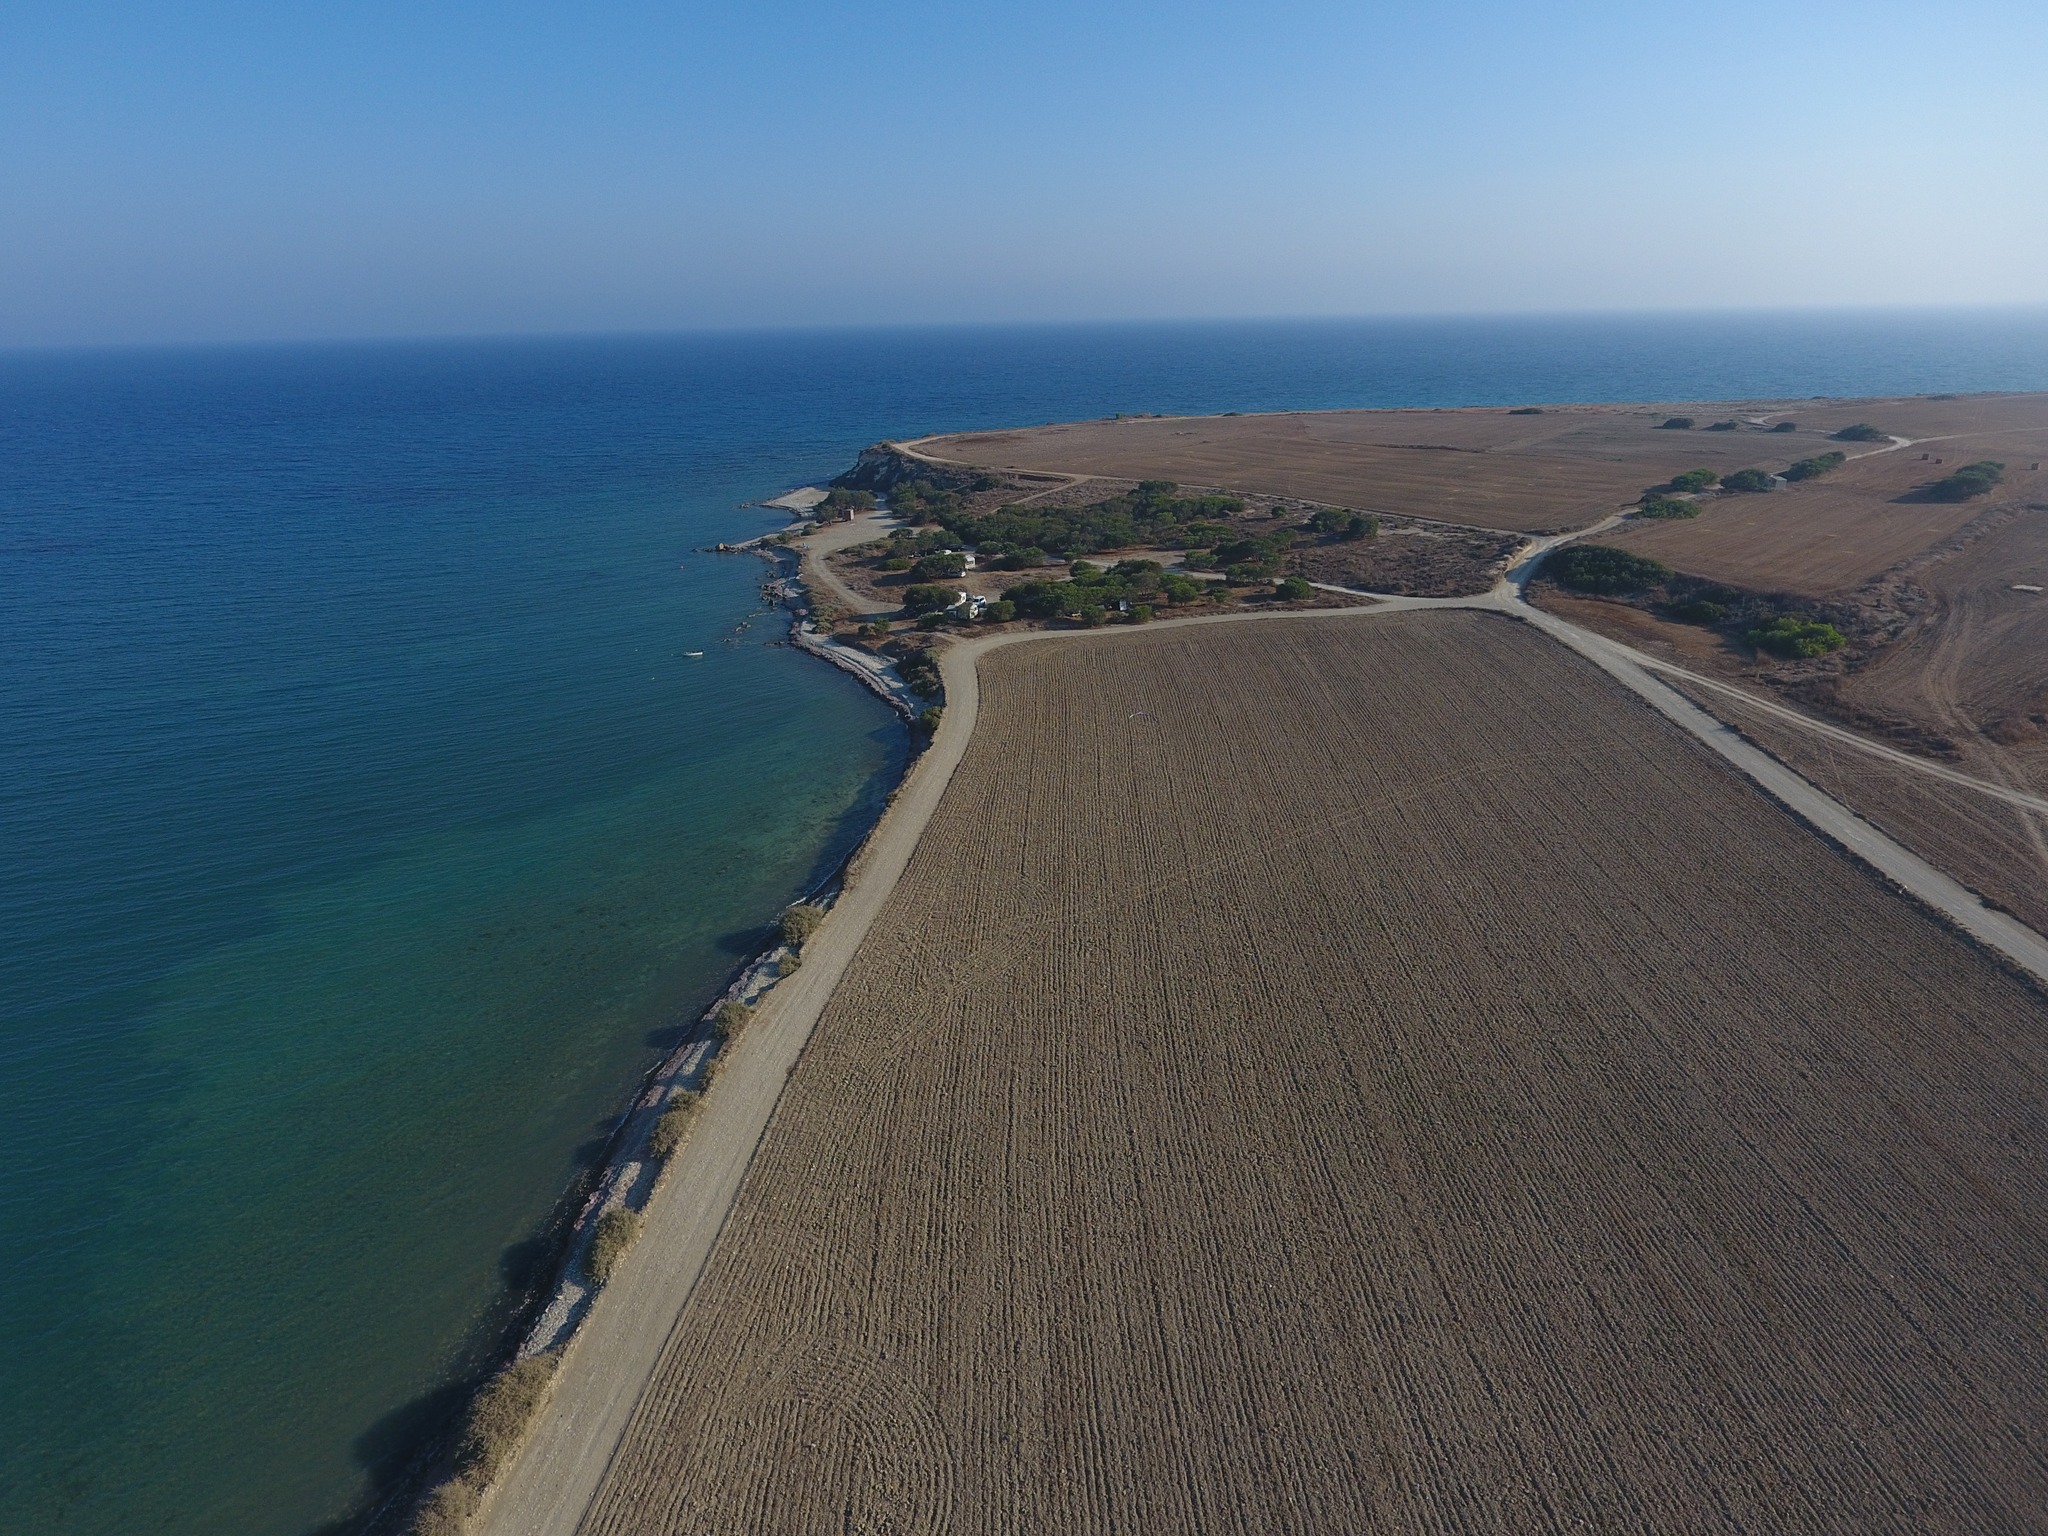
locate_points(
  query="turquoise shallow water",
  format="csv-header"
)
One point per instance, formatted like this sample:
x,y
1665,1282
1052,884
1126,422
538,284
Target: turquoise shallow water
x,y
364,826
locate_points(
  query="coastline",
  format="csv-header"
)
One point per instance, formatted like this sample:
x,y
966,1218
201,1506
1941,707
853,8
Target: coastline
x,y
623,1174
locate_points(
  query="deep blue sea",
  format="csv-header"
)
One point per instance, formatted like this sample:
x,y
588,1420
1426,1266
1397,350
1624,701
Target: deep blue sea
x,y
364,826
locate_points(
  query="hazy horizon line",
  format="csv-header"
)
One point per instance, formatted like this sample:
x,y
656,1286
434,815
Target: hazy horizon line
x,y
1134,323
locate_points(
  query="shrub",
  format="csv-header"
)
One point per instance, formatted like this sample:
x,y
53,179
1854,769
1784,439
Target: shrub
x,y
1603,568
1786,426
926,725
730,1019
1667,506
674,1124
1970,480
1527,410
1862,432
1293,590
1693,480
1724,426
1818,465
1795,635
1747,480
1701,610
799,923
1141,613
1675,424
446,1511
1345,525
933,598
1001,611
616,1231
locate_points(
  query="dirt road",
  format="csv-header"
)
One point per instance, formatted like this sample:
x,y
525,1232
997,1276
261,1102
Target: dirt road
x,y
833,537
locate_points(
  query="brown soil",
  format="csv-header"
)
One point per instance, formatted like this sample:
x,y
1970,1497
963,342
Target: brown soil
x,y
1974,662
1373,1077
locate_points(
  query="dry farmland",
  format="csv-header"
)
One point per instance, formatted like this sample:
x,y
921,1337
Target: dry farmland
x,y
1370,1074
1563,468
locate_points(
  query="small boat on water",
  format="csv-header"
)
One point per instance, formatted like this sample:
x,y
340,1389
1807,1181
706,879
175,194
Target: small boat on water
x,y
698,654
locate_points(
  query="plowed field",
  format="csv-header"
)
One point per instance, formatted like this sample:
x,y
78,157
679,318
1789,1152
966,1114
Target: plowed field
x,y
1370,1074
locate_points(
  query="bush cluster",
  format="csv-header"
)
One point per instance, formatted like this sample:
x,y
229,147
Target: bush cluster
x,y
730,1019
1667,507
1293,590
1747,480
616,1231
1818,465
1724,426
1604,569
1675,424
799,923
669,1131
940,565
918,668
1786,426
840,504
1692,480
1153,513
1796,635
1970,480
935,597
1862,432
1091,592
1345,525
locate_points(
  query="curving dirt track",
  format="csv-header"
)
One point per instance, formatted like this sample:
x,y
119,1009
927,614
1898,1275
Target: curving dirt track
x,y
1476,1109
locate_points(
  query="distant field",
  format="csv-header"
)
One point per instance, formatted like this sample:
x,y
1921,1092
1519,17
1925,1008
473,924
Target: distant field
x,y
1825,536
1564,468
1370,1074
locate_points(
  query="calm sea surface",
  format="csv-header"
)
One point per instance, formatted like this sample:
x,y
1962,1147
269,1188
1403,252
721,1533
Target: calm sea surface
x,y
364,826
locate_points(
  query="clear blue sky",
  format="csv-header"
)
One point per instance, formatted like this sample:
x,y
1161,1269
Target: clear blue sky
x,y
206,170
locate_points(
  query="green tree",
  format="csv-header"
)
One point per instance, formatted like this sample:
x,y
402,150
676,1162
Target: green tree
x,y
1747,480
1603,569
929,599
1815,467
1971,480
940,566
